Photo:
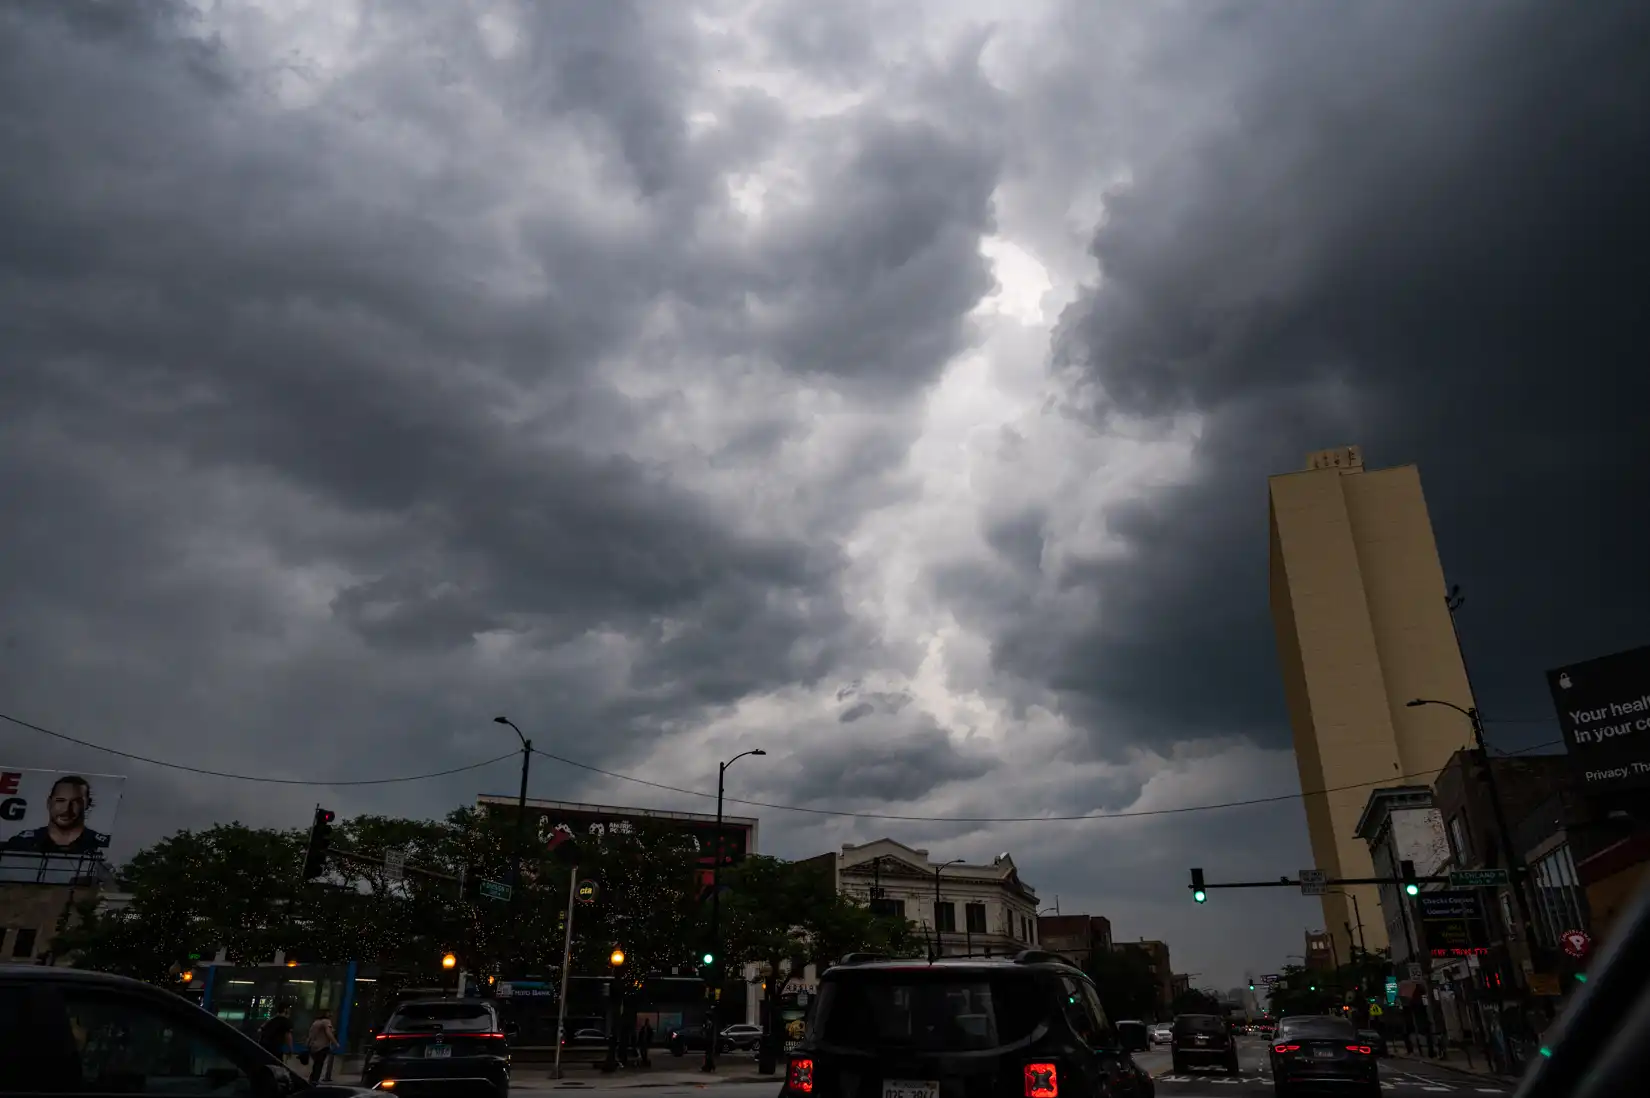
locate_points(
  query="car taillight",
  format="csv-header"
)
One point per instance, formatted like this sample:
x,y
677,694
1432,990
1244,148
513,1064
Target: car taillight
x,y
799,1077
1042,1081
1365,1049
1285,1048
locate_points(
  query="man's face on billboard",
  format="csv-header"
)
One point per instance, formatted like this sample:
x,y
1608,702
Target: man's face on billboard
x,y
68,806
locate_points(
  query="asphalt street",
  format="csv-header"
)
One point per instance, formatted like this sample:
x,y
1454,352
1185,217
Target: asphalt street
x,y
1254,1077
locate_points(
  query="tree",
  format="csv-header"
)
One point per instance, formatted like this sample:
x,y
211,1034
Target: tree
x,y
1127,986
784,916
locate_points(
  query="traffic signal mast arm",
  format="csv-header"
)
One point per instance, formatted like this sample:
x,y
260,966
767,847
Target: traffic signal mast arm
x,y
1290,882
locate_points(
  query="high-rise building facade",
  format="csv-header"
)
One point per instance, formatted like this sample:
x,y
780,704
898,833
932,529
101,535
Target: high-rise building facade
x,y
1362,628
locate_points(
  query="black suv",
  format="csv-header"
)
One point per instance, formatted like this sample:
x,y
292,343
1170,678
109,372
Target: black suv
x,y
1202,1040
441,1045
1030,1026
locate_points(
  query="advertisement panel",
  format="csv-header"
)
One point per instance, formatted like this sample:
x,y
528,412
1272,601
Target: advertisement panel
x,y
55,815
1604,712
587,822
1452,923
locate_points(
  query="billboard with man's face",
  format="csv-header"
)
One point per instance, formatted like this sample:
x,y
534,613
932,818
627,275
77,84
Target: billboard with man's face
x,y
56,812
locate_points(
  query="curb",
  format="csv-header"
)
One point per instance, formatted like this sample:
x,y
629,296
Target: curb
x,y
1494,1077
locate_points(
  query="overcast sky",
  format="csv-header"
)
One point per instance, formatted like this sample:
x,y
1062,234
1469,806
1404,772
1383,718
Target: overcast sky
x,y
888,385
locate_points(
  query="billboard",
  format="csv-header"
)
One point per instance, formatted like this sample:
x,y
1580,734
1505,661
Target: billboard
x,y
55,812
1604,712
587,822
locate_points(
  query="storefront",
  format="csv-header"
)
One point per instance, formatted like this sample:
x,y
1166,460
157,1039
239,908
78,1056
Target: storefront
x,y
247,996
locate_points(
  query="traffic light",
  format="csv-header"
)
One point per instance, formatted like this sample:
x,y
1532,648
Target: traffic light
x,y
320,841
1412,887
708,959
471,887
1199,894
1251,985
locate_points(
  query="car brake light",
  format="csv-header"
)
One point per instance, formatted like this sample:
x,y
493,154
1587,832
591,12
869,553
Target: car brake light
x,y
1358,1048
799,1077
1042,1081
1285,1048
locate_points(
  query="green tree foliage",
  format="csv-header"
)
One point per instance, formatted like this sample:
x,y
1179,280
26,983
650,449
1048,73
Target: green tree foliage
x,y
647,902
785,916
1127,986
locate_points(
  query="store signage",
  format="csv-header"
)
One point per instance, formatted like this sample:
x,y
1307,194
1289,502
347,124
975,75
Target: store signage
x,y
1604,712
1452,923
1576,942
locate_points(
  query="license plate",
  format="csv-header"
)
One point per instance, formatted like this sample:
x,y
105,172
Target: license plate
x,y
910,1088
438,1052
1323,1054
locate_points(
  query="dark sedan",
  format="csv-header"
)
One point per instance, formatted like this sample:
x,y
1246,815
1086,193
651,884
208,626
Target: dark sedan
x,y
1323,1054
1374,1039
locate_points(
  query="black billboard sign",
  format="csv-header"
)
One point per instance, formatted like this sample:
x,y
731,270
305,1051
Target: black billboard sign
x,y
1604,712
1452,923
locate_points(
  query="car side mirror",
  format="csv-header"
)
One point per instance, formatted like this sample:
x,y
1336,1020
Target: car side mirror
x,y
271,1081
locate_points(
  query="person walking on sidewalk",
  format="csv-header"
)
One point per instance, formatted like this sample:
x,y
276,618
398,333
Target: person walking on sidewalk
x,y
276,1033
644,1041
322,1038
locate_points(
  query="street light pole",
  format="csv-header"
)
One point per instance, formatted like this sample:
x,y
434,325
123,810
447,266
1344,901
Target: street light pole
x,y
521,799
716,916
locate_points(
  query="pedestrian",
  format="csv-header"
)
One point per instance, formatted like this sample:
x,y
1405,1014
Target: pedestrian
x,y
644,1041
322,1038
276,1033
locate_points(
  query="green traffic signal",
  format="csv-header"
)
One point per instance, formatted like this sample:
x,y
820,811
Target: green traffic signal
x,y
1200,896
1413,889
708,959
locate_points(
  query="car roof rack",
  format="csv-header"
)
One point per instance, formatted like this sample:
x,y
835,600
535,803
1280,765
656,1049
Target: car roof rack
x,y
863,958
1039,957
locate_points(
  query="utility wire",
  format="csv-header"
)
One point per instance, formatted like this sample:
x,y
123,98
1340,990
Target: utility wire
x,y
733,800
251,777
989,819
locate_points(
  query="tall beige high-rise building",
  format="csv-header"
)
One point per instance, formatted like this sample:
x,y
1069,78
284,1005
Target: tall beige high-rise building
x,y
1362,628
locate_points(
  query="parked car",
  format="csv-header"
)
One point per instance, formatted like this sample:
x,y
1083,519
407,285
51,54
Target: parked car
x,y
1322,1051
1203,1040
455,1042
1030,1026
71,1031
734,1038
1134,1036
1161,1033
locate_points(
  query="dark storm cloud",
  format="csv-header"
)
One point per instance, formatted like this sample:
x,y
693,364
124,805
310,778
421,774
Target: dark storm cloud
x,y
297,401
1418,231
875,761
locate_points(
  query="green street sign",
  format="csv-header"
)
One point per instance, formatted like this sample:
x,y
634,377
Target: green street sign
x,y
1478,878
496,890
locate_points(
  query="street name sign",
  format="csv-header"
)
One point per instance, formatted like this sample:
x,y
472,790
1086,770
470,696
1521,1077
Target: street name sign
x,y
496,890
1314,882
1478,878
1269,978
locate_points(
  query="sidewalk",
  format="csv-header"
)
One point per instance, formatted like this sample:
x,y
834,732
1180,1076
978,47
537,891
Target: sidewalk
x,y
1457,1063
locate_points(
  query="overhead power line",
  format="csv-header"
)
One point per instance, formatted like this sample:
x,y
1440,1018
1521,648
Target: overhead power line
x,y
252,777
990,819
807,810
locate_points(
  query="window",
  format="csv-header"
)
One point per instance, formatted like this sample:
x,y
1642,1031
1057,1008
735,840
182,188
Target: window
x,y
131,1046
1460,842
24,945
945,915
975,914
1085,1014
1560,905
929,1009
891,908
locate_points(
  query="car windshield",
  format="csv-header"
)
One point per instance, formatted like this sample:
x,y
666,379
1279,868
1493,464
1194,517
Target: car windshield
x,y
1320,1027
446,1016
929,1009
1199,1023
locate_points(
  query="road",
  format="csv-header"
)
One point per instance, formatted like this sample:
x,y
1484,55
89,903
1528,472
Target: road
x,y
1400,1078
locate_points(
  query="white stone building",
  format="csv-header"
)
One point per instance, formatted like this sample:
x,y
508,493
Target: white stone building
x,y
976,908
1400,824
